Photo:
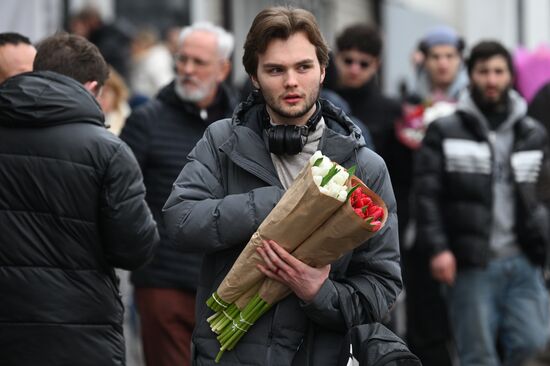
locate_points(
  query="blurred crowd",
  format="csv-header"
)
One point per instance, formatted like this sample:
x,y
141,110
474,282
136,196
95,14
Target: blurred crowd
x,y
473,220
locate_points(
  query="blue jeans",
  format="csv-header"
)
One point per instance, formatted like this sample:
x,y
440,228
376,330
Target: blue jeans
x,y
508,302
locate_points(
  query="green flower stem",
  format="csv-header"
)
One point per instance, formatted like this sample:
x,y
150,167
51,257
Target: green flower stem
x,y
216,303
219,315
261,311
212,319
233,330
228,316
219,356
260,308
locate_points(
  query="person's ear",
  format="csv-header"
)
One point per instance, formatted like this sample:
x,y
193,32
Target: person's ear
x,y
93,87
255,82
225,70
323,73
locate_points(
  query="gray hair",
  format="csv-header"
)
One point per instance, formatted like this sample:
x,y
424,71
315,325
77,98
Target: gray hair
x,y
225,39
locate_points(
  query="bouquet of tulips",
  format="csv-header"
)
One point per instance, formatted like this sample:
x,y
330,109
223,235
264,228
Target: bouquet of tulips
x,y
326,213
410,130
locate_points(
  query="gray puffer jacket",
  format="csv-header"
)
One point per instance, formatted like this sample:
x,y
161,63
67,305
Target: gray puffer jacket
x,y
218,201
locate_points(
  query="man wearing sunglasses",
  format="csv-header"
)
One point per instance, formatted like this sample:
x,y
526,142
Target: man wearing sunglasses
x,y
352,75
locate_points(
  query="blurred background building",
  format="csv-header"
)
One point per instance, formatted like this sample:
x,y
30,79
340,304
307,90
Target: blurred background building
x,y
513,22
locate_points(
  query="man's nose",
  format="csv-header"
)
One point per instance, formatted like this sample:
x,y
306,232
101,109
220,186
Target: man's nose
x,y
494,77
188,66
291,79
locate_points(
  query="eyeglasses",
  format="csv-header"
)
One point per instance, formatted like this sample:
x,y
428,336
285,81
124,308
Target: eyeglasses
x,y
350,61
196,61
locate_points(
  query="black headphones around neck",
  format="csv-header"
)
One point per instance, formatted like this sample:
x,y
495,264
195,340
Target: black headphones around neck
x,y
290,139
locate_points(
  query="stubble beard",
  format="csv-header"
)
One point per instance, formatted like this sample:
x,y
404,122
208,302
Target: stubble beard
x,y
278,108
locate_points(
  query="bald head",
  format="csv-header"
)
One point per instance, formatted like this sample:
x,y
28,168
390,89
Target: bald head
x,y
16,55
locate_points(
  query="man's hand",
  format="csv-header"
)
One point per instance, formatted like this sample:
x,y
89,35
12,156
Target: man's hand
x,y
305,281
443,266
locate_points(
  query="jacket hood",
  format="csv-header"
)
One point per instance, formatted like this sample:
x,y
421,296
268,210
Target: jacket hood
x,y
423,84
338,123
46,98
518,108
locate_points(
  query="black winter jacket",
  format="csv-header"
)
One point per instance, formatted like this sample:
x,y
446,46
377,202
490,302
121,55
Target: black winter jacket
x,y
71,208
220,198
161,134
454,195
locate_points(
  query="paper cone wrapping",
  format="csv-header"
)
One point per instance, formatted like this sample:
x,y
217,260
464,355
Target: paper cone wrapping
x,y
341,233
301,210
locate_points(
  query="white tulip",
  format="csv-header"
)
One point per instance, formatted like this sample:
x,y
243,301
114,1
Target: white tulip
x,y
326,163
315,170
332,187
335,190
323,170
315,156
317,180
342,196
341,177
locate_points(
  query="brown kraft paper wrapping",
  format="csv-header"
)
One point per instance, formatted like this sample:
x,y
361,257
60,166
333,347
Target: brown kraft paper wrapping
x,y
341,233
289,224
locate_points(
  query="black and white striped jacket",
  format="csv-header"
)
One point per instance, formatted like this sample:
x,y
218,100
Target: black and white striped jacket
x,y
453,184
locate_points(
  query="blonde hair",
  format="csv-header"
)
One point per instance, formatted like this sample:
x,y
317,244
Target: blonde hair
x,y
117,84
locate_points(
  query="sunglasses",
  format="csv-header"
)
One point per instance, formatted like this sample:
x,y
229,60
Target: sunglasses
x,y
350,61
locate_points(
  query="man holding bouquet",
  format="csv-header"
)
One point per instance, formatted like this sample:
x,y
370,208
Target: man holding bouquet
x,y
482,194
238,172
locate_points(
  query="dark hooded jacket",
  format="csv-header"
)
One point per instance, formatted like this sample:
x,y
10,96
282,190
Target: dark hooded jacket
x,y
456,172
218,201
161,134
71,208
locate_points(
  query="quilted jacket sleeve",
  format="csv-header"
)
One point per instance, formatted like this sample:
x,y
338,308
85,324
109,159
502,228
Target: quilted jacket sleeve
x,y
128,230
198,214
428,180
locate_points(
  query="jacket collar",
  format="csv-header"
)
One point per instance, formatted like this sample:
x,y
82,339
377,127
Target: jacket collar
x,y
224,100
246,146
478,122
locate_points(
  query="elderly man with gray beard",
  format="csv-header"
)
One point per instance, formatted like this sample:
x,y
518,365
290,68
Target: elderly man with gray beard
x,y
161,134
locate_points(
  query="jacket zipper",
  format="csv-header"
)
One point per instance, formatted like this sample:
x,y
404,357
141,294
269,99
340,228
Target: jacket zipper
x,y
491,139
270,337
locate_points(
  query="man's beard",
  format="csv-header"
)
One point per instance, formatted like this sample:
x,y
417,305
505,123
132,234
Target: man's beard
x,y
309,102
195,95
490,106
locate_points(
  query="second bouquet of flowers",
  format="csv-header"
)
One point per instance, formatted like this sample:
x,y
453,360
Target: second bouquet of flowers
x,y
326,213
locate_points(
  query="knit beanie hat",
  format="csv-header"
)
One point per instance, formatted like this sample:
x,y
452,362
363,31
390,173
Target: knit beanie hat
x,y
441,35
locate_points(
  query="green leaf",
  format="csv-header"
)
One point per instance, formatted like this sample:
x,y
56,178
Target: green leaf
x,y
352,189
351,171
318,162
331,173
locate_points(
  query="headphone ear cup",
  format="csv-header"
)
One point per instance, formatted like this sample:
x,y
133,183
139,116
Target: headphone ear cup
x,y
293,140
276,140
285,140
